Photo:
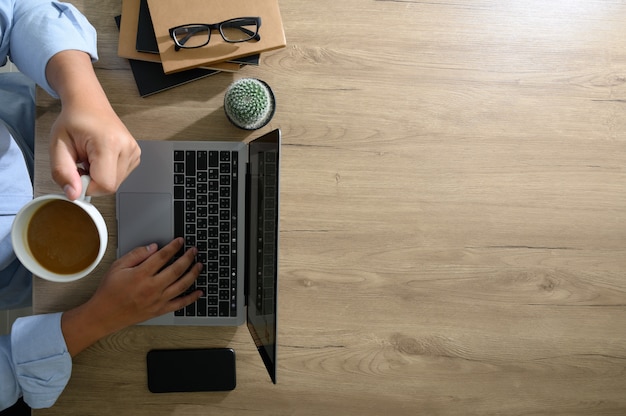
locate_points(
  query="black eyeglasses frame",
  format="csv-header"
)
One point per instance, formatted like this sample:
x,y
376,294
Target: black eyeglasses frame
x,y
235,22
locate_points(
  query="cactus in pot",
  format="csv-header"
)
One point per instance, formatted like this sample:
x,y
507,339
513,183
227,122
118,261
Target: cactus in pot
x,y
249,103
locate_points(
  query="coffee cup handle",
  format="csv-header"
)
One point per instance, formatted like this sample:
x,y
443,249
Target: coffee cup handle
x,y
85,179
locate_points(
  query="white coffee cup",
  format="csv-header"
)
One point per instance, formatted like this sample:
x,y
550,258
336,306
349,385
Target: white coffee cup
x,y
22,222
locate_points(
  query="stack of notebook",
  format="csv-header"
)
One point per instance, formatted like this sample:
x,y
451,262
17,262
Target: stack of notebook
x,y
157,65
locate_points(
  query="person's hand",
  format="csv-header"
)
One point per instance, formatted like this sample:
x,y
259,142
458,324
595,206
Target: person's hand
x,y
137,287
87,131
95,137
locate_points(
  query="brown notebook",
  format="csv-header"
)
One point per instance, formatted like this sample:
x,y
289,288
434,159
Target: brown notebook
x,y
128,39
169,13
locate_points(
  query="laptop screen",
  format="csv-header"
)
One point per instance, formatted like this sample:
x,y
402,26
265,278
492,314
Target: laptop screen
x,y
262,258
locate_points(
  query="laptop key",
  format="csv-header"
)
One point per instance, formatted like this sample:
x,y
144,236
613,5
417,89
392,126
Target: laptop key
x,y
179,223
202,160
202,307
224,308
179,192
190,310
190,163
213,158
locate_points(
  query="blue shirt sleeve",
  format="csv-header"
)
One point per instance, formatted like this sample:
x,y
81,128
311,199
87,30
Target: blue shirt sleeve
x,y
33,31
34,362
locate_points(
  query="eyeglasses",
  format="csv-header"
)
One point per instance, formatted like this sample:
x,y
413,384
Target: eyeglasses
x,y
196,35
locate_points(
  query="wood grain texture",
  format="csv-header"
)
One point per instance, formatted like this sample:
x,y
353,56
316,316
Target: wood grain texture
x,y
453,214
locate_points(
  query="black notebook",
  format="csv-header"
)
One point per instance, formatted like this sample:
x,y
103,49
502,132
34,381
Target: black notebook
x,y
146,40
150,78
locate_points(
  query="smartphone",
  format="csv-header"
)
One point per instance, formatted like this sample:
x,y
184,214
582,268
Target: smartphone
x,y
182,370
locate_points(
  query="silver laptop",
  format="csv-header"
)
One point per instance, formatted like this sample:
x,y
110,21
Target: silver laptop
x,y
223,198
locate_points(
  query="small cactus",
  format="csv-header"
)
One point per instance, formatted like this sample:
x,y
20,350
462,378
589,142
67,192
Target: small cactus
x,y
249,103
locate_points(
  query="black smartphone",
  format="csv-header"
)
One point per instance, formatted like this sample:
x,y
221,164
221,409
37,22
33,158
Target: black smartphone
x,y
181,370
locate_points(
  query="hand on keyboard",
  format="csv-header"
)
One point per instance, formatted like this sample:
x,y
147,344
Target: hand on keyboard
x,y
139,286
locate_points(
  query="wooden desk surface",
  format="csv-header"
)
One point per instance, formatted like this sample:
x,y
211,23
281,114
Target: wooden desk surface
x,y
453,220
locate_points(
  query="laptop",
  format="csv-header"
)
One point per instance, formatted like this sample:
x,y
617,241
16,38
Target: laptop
x,y
223,198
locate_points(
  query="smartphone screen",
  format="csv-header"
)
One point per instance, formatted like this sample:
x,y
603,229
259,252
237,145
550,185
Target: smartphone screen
x,y
182,370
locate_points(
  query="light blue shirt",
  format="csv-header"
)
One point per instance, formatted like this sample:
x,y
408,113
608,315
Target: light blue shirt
x,y
34,362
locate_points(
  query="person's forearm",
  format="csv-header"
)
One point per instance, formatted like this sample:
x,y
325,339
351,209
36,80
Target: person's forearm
x,y
70,73
79,331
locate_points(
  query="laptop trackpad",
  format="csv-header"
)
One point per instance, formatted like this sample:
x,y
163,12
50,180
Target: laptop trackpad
x,y
144,218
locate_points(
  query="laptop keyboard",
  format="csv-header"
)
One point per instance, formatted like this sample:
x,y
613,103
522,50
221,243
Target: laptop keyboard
x,y
205,212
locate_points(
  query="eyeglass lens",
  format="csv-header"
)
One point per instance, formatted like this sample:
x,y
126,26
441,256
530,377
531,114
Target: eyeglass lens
x,y
239,30
192,36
